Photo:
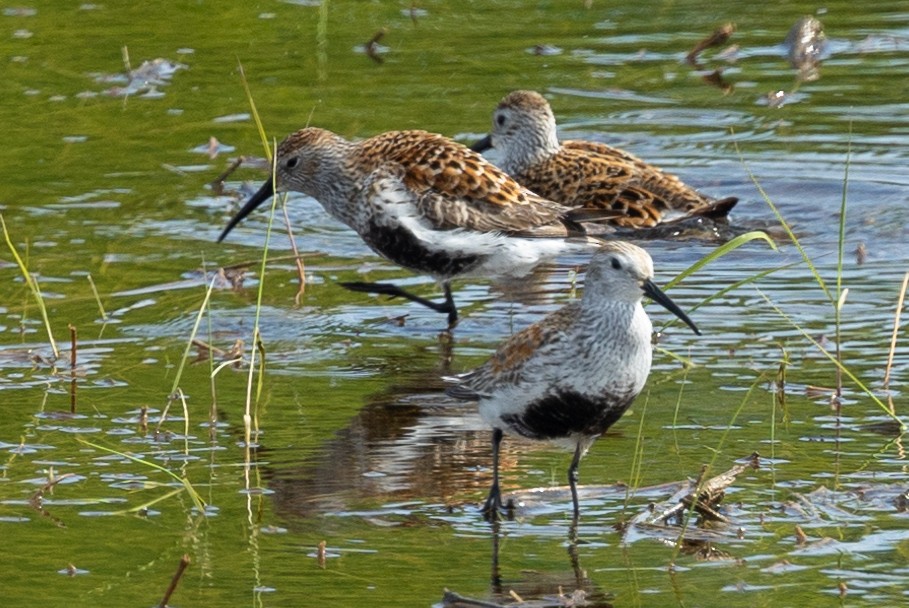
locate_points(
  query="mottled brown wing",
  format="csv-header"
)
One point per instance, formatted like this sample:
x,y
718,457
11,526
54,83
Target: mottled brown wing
x,y
591,181
458,188
666,190
509,363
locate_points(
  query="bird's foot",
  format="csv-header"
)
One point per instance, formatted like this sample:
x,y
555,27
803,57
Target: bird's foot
x,y
393,291
494,510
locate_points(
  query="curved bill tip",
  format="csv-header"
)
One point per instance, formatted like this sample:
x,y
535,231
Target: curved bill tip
x,y
482,145
263,194
657,295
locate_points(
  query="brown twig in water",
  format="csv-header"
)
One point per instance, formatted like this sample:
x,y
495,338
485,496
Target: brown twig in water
x,y
205,352
217,184
72,367
371,46
320,554
181,568
801,539
781,380
51,482
715,78
36,499
301,269
843,589
719,36
706,495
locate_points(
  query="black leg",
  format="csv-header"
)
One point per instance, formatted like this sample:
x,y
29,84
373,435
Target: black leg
x,y
450,305
573,479
493,507
496,577
387,289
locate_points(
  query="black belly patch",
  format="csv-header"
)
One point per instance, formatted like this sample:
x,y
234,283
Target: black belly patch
x,y
566,413
401,247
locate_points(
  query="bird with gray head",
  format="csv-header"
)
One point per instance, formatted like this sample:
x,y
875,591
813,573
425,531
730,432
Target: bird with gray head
x,y
570,376
589,175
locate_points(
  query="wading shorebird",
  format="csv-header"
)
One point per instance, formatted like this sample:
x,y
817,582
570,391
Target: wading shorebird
x,y
426,203
589,174
569,377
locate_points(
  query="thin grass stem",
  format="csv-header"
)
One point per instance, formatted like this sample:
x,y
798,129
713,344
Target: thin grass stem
x,y
832,358
786,227
91,282
840,293
193,494
896,330
32,283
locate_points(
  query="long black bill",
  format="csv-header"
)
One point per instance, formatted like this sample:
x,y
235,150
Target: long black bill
x,y
482,145
656,294
264,193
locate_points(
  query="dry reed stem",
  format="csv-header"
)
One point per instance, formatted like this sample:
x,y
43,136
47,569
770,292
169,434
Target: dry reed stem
x,y
893,336
301,270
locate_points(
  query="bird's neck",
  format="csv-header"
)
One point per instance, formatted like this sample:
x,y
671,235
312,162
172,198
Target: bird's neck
x,y
537,146
621,314
336,180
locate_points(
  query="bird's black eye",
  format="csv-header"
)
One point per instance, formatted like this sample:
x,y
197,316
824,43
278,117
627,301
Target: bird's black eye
x,y
500,119
616,264
291,162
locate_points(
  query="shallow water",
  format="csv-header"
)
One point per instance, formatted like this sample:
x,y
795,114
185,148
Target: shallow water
x,y
107,176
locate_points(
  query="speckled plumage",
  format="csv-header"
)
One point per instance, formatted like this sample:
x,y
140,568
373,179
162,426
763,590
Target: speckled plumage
x,y
569,377
589,174
424,202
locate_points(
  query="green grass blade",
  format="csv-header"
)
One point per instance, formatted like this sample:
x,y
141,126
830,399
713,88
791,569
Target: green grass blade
x,y
787,228
720,252
836,362
196,498
32,283
91,282
255,113
192,337
256,344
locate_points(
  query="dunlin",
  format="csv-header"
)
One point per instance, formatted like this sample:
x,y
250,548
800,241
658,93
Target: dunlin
x,y
424,202
569,377
589,174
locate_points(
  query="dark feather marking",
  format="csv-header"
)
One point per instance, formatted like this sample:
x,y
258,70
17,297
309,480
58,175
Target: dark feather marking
x,y
401,247
568,412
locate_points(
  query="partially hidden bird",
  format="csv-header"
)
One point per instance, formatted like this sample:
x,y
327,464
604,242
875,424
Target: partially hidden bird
x,y
588,174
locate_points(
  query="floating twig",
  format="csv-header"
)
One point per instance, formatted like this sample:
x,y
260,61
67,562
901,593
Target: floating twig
x,y
719,36
298,260
320,554
73,350
181,568
704,496
372,47
217,184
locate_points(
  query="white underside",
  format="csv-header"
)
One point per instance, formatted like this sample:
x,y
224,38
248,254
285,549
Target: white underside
x,y
501,255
